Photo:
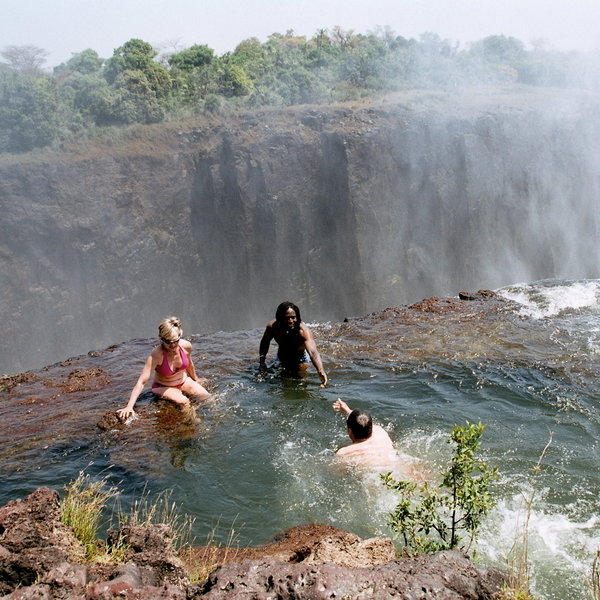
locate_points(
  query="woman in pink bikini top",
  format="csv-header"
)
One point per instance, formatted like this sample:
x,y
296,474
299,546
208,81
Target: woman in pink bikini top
x,y
173,369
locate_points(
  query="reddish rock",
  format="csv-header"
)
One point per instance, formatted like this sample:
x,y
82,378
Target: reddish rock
x,y
34,541
151,549
309,544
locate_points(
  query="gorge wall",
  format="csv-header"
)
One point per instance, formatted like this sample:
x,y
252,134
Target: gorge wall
x,y
344,210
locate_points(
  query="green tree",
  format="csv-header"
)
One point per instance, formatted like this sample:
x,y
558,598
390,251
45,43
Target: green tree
x,y
132,100
251,55
191,58
233,80
33,112
500,49
321,51
80,79
137,55
93,98
140,86
86,62
133,55
428,518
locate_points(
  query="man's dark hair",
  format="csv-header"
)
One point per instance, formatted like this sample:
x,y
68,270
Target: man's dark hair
x,y
360,424
283,308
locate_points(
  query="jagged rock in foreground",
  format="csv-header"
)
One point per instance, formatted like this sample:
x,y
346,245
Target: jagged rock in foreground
x,y
41,559
441,576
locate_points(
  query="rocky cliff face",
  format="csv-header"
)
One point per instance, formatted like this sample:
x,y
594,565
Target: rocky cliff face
x,y
343,210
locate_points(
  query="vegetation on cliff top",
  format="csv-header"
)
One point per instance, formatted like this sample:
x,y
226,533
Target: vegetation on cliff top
x,y
139,85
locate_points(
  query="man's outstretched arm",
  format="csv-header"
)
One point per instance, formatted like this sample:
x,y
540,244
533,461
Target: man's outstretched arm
x,y
340,406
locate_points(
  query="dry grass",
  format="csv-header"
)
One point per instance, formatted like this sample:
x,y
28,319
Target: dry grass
x,y
596,577
81,509
202,560
519,562
164,511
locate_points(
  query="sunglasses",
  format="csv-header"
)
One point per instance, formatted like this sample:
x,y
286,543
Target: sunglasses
x,y
169,342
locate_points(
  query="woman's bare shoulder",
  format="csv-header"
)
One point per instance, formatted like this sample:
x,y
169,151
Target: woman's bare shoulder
x,y
156,353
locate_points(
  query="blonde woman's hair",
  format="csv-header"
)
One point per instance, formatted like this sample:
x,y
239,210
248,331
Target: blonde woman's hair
x,y
170,329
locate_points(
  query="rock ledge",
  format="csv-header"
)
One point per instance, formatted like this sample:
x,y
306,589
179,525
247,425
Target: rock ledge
x,y
40,559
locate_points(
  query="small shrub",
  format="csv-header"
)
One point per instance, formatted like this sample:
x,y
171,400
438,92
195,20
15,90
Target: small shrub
x,y
431,518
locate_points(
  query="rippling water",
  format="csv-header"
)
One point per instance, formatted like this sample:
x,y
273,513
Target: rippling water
x,y
259,460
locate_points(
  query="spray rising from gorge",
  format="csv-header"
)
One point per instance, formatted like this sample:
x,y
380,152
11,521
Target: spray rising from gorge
x,y
345,210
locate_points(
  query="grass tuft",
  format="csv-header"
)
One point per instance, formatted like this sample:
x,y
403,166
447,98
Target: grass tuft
x,y
201,561
164,511
81,509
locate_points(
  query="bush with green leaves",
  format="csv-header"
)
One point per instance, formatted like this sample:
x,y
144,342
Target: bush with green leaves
x,y
428,517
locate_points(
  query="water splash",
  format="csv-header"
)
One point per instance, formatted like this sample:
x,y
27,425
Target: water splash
x,y
548,299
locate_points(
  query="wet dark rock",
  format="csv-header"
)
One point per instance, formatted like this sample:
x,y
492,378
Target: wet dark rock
x,y
480,295
110,422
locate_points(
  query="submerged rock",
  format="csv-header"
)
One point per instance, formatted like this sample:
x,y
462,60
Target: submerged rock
x,y
41,559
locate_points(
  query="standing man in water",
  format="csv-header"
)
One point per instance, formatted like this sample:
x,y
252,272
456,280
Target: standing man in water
x,y
296,343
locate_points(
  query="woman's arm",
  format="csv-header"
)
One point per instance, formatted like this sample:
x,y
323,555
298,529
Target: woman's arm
x,y
191,369
123,413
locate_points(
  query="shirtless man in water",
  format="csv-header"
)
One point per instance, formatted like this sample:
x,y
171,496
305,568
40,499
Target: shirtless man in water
x,y
296,343
371,445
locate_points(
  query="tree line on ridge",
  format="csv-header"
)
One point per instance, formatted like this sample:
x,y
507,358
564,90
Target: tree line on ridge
x,y
138,85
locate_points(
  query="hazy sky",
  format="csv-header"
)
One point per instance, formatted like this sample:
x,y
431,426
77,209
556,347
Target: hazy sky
x,y
64,27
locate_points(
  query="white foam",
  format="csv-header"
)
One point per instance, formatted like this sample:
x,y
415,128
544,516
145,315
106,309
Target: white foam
x,y
543,300
559,548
